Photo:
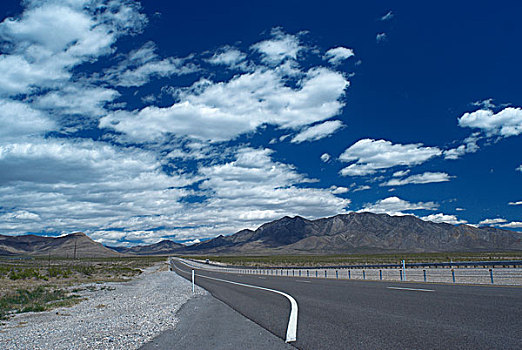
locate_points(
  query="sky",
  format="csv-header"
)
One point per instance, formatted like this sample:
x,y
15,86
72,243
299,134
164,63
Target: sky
x,y
140,121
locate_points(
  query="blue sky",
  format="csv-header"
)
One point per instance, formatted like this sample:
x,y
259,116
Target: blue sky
x,y
136,122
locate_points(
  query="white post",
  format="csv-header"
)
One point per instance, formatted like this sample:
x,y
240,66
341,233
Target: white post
x,y
404,269
192,281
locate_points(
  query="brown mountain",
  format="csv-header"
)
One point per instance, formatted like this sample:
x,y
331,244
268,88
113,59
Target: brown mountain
x,y
64,246
164,247
359,232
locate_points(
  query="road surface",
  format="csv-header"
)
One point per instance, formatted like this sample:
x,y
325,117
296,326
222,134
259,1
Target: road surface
x,y
342,314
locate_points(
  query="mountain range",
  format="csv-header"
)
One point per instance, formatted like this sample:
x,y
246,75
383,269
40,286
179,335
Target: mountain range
x,y
340,234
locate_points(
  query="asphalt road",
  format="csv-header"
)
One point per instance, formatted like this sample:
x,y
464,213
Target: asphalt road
x,y
341,314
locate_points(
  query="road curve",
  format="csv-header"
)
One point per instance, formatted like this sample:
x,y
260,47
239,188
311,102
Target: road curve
x,y
341,314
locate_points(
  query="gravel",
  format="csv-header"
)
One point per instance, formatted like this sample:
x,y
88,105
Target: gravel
x,y
115,315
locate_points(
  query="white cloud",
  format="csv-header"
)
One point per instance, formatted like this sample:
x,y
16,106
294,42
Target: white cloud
x,y
396,206
515,203
519,168
507,122
444,218
362,188
338,54
387,16
318,131
469,145
51,37
77,99
325,157
339,189
221,111
18,119
228,56
142,64
424,178
280,47
492,221
485,104
373,155
513,224
401,173
380,37
460,209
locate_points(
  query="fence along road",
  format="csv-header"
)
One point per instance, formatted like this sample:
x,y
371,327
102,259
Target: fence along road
x,y
356,314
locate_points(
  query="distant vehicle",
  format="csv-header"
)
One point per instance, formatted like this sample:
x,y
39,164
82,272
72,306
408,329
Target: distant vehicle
x,y
207,261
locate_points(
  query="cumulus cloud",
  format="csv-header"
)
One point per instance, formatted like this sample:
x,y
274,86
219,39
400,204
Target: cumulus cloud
x,y
325,157
515,203
397,206
219,111
401,173
280,47
370,156
77,99
492,221
338,54
469,145
361,188
142,64
81,31
142,191
18,119
424,178
513,224
339,189
228,56
507,122
444,218
318,131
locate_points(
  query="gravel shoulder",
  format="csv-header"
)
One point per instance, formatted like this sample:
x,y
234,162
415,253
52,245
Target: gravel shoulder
x,y
115,315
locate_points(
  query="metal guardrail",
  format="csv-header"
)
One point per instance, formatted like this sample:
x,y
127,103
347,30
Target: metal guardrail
x,y
474,272
484,264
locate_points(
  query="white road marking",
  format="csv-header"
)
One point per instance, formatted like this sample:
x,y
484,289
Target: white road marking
x,y
291,331
304,281
415,289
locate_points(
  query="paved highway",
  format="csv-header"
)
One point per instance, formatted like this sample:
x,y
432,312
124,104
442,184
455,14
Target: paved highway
x,y
341,314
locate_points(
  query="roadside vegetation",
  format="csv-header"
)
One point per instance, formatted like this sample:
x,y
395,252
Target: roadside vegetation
x,y
356,259
31,284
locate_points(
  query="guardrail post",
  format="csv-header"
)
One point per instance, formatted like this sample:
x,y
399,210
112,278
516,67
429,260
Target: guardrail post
x,y
299,273
316,273
287,272
491,275
453,275
293,272
380,275
424,272
349,274
364,275
307,273
325,274
336,274
401,274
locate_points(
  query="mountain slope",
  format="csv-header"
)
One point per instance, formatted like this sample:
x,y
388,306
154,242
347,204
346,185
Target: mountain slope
x,y
164,247
359,232
76,244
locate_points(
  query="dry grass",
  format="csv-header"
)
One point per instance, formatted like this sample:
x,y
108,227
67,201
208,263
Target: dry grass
x,y
38,284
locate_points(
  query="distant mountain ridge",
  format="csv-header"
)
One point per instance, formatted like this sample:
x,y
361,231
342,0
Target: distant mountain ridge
x,y
77,245
340,234
164,247
359,233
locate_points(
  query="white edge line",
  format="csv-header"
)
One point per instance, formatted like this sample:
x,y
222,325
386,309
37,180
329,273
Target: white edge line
x,y
416,289
291,331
